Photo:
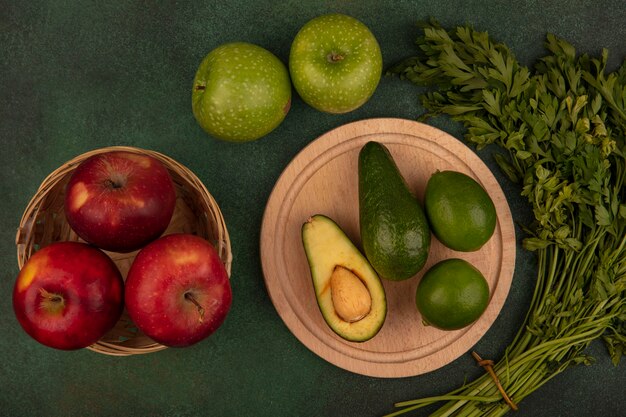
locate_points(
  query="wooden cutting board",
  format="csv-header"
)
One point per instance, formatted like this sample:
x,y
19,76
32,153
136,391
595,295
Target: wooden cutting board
x,y
323,179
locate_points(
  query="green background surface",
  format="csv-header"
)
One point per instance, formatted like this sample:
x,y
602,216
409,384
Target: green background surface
x,y
76,76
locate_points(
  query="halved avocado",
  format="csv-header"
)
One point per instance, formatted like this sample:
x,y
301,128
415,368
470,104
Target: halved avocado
x,y
349,293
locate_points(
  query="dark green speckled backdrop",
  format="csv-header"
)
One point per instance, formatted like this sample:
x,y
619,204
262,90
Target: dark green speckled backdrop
x,y
79,75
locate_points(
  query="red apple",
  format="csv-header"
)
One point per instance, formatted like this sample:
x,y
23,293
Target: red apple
x,y
177,290
120,201
68,295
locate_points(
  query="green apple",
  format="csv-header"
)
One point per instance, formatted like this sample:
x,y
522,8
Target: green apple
x,y
335,63
241,92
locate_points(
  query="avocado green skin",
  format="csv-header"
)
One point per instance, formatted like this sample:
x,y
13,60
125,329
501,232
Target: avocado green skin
x,y
394,230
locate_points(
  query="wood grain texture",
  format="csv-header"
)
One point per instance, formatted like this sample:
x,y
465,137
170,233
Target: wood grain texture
x,y
323,179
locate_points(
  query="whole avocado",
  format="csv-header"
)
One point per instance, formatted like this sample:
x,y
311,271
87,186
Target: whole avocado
x,y
394,230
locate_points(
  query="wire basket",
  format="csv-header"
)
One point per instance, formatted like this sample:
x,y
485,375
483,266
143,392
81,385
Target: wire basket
x,y
196,212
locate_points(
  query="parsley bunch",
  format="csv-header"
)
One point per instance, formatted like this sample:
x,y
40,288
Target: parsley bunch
x,y
560,132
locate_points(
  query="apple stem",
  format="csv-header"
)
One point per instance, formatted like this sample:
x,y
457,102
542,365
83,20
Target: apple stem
x,y
51,301
200,87
112,184
335,57
189,296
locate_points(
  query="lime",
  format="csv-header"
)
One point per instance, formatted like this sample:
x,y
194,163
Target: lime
x,y
460,212
452,294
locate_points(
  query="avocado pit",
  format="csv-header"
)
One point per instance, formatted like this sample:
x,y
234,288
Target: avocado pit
x,y
351,298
